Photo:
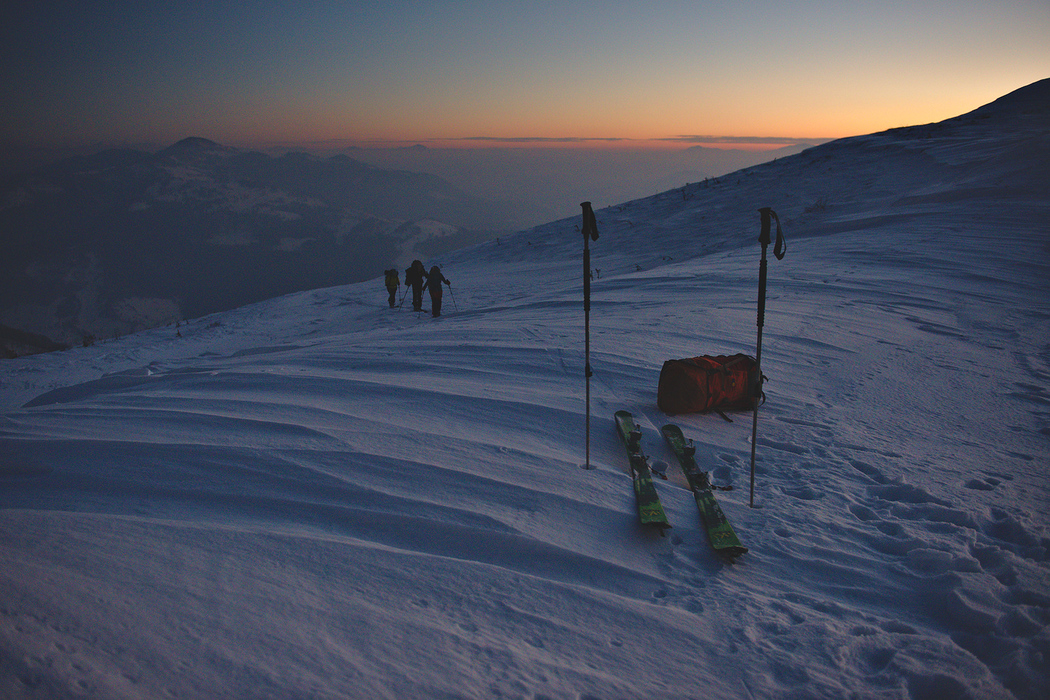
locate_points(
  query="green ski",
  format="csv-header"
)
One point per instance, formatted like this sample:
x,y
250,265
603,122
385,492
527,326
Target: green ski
x,y
719,531
650,510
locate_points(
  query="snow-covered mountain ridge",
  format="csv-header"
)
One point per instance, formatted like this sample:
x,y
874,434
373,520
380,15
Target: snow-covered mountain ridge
x,y
318,496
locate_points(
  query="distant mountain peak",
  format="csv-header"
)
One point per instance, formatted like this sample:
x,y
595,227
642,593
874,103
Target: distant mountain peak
x,y
194,142
194,146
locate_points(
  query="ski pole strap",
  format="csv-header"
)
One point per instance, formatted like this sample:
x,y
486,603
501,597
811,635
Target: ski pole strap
x,y
780,247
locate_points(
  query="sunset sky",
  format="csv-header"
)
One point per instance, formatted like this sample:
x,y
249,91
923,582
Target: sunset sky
x,y
492,71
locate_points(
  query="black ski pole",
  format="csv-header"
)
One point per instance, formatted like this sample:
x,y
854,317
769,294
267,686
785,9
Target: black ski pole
x,y
403,298
590,232
778,250
454,304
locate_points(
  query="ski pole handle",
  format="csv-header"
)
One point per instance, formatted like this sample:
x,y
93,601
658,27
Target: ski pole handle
x,y
590,224
763,237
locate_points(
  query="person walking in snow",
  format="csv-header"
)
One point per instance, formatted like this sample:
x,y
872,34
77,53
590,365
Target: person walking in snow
x,y
434,280
415,277
392,285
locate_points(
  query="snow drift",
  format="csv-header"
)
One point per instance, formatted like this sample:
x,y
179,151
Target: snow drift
x,y
317,496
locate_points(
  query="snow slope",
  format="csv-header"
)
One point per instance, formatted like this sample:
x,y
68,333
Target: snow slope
x,y
317,496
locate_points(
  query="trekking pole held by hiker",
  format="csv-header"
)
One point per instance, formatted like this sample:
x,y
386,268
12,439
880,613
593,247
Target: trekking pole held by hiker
x,y
778,250
454,304
590,232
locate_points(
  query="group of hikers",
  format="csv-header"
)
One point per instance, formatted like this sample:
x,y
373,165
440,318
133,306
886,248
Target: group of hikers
x,y
418,279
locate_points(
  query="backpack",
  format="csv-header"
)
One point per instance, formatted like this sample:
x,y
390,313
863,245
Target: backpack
x,y
414,274
391,279
708,383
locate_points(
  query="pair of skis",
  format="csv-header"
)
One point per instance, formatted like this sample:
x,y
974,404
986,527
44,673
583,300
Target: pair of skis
x,y
650,511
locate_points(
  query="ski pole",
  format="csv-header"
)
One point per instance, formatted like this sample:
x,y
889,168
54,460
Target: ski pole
x,y
778,250
590,232
454,304
403,295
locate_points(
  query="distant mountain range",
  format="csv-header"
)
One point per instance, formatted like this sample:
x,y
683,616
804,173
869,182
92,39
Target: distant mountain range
x,y
104,245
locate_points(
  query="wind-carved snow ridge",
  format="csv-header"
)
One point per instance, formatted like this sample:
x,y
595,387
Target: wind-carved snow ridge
x,y
319,496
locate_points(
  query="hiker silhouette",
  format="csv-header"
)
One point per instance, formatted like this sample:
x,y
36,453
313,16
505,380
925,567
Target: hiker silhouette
x,y
434,280
392,284
415,279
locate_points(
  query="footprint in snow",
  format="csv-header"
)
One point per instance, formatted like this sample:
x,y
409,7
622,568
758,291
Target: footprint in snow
x,y
804,493
982,485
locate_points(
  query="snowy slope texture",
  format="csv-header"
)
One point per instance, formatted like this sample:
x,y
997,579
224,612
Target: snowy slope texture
x,y
320,497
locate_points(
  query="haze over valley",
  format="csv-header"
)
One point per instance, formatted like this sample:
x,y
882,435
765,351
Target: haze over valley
x,y
113,242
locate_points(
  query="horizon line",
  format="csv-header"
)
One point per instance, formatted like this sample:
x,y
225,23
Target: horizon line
x,y
480,141
45,152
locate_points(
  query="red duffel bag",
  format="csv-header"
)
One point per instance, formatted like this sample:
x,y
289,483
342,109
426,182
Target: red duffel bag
x,y
708,383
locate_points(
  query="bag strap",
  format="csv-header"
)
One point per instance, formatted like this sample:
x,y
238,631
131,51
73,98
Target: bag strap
x,y
780,247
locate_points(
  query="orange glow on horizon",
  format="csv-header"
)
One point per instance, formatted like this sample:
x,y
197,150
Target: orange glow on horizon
x,y
755,144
